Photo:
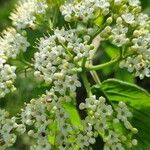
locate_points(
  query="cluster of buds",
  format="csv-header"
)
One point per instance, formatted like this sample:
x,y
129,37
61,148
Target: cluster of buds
x,y
100,114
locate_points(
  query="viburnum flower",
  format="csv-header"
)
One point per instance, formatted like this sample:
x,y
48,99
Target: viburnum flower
x,y
26,11
7,77
62,61
12,43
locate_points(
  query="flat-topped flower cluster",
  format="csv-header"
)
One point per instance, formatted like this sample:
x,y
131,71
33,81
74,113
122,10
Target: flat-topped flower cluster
x,y
61,60
26,13
125,26
40,116
11,43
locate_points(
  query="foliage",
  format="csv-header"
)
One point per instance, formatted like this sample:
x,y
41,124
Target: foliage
x,y
57,61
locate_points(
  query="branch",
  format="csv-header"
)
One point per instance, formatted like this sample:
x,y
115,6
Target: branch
x,y
98,67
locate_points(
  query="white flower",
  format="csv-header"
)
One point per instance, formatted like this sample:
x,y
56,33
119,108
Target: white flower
x,y
35,115
26,11
7,77
134,142
118,36
128,18
98,110
143,19
113,138
100,114
118,2
84,10
11,43
2,61
53,61
134,2
122,112
139,62
7,129
83,141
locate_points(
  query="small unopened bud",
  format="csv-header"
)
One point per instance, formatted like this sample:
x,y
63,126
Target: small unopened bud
x,y
86,38
108,29
9,83
31,133
136,33
24,33
105,12
134,130
13,88
109,20
82,106
67,18
123,138
129,145
119,21
81,28
59,76
117,2
134,142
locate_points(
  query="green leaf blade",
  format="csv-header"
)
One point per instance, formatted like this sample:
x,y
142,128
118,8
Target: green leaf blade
x,y
73,114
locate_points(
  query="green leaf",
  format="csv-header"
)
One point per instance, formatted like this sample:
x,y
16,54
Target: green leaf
x,y
99,21
111,51
137,99
124,75
52,135
73,114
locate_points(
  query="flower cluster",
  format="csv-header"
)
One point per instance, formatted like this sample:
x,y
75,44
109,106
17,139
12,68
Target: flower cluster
x,y
100,114
84,10
71,136
53,62
7,125
139,62
11,43
57,125
124,26
50,121
132,32
26,12
61,58
119,36
35,115
7,77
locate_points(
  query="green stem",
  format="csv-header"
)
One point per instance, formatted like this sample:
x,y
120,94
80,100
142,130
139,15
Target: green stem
x,y
84,63
97,33
93,72
66,49
27,63
85,79
98,67
22,59
86,83
95,77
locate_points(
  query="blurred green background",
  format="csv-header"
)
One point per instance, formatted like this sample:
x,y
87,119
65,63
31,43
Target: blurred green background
x,y
29,88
